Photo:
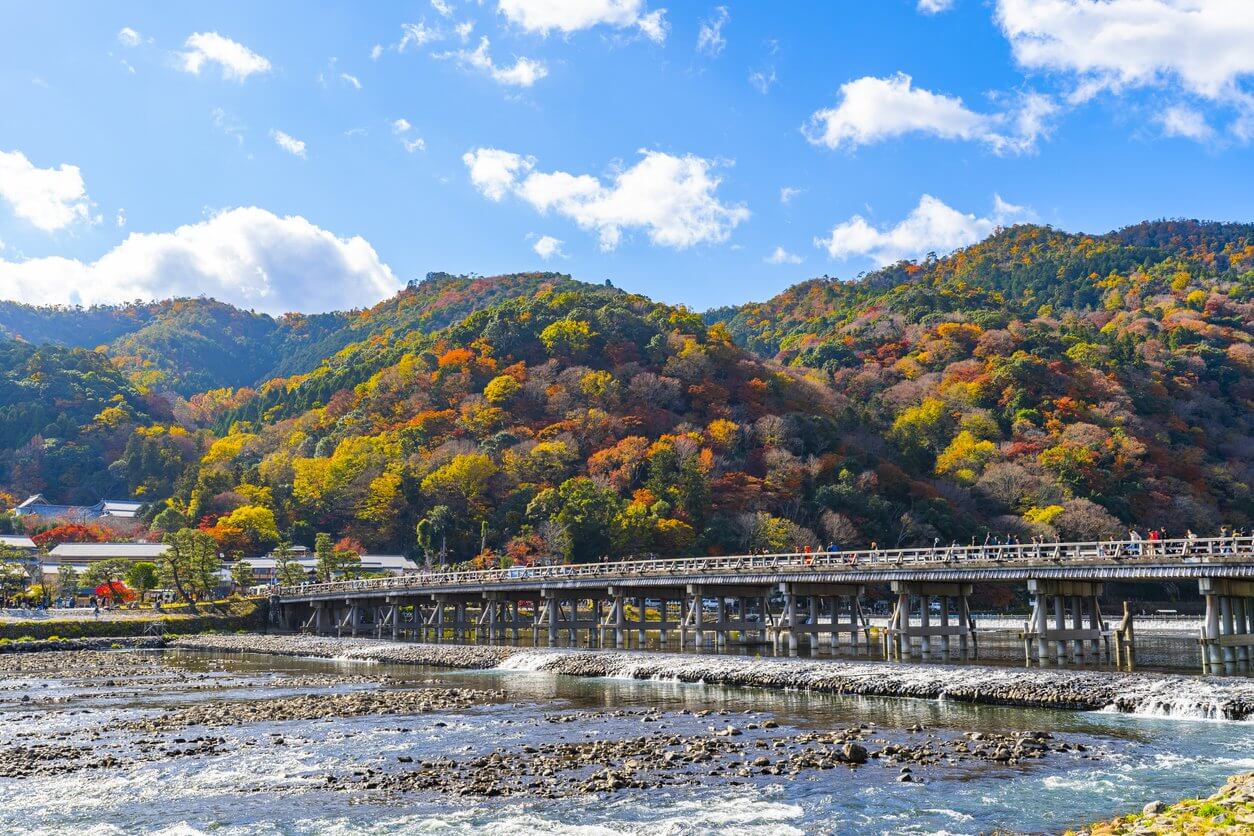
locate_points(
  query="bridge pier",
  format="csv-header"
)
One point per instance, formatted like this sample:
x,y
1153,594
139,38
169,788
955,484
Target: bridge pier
x,y
1086,638
692,615
825,597
1227,639
900,636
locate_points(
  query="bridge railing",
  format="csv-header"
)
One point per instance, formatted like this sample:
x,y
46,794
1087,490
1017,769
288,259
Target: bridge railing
x,y
1119,551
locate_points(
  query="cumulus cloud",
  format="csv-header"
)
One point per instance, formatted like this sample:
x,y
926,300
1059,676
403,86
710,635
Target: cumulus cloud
x,y
710,38
935,7
874,109
671,198
1184,121
288,143
523,73
351,80
49,198
245,256
547,247
782,256
932,226
236,61
567,16
129,37
1202,46
444,9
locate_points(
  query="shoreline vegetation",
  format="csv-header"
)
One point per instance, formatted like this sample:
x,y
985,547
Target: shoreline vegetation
x,y
239,614
1229,811
1145,693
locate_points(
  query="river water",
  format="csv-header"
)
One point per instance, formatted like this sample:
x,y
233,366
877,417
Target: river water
x,y
252,785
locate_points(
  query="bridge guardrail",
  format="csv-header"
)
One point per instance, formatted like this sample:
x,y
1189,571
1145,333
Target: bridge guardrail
x,y
1118,551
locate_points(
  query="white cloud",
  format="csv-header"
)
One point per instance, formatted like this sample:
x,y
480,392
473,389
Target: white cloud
x,y
351,79
494,172
129,37
524,72
1184,121
787,193
288,143
547,247
762,79
245,256
229,126
400,126
671,198
710,38
120,219
935,7
464,29
49,198
417,35
782,256
237,61
566,16
415,144
876,109
443,8
932,226
376,51
1204,45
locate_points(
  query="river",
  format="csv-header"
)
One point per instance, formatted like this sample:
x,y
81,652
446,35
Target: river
x,y
244,782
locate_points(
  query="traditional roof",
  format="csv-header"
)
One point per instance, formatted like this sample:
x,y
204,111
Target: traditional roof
x,y
82,552
17,541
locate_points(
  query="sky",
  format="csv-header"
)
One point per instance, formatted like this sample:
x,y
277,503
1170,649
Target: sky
x,y
296,156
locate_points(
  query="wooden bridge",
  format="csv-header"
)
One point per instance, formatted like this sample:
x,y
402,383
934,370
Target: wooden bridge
x,y
815,597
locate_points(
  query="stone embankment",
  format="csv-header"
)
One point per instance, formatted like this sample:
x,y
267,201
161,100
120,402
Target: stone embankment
x,y
1086,690
1229,811
112,643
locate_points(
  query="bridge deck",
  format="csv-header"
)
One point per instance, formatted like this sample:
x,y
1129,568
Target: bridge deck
x,y
1180,559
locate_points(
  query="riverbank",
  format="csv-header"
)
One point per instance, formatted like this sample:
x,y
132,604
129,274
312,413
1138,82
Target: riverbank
x,y
1229,811
239,614
1084,690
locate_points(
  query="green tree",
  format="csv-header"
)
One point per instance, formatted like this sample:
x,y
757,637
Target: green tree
x,y
67,581
287,570
242,574
169,520
141,577
190,563
587,512
14,571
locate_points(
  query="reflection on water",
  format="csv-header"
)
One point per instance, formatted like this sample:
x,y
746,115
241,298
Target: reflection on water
x,y
262,788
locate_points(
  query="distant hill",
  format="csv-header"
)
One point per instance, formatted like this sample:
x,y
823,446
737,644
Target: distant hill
x,y
1038,383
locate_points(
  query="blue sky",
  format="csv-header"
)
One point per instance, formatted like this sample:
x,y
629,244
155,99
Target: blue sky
x,y
700,153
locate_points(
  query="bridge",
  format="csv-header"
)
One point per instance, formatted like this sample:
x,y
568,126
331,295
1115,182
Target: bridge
x,y
812,597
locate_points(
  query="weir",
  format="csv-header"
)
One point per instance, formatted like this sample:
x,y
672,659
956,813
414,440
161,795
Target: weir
x,y
796,600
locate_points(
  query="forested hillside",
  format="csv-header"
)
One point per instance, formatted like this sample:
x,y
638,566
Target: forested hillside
x,y
1035,384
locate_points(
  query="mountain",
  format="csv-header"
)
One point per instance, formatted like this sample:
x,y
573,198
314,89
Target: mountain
x,y
1037,383
193,345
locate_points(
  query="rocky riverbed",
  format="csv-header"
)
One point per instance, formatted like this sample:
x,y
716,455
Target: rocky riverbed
x,y
221,713
1087,690
728,752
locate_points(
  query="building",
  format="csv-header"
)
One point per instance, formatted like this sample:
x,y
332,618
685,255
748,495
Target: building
x,y
384,564
38,506
17,541
83,555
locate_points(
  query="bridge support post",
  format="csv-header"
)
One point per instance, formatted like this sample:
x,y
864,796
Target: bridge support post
x,y
1228,633
1065,642
902,631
